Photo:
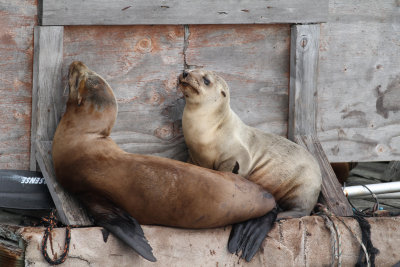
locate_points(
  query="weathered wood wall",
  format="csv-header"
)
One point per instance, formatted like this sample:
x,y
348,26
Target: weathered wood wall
x,y
156,12
17,19
358,83
142,64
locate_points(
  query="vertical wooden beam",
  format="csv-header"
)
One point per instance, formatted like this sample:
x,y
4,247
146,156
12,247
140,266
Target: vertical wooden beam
x,y
303,107
304,48
32,163
46,101
50,101
47,107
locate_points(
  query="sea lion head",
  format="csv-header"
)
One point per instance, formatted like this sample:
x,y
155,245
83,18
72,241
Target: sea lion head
x,y
203,87
91,97
86,85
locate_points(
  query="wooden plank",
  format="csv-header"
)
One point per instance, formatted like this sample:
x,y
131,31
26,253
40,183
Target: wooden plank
x,y
17,19
302,111
49,89
303,80
358,84
254,61
302,241
35,87
141,63
126,12
68,208
392,172
332,193
10,254
370,170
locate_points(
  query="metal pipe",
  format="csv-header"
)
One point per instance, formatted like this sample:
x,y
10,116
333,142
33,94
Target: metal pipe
x,y
383,196
359,190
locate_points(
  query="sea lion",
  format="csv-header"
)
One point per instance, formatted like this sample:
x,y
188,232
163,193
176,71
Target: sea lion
x,y
219,140
116,186
342,170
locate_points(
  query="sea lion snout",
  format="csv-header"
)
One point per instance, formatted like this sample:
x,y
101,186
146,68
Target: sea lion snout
x,y
188,84
77,77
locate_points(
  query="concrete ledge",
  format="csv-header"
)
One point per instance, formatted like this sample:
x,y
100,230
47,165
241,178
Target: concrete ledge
x,y
296,242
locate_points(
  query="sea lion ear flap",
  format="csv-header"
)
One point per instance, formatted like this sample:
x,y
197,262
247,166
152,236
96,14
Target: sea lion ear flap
x,y
80,88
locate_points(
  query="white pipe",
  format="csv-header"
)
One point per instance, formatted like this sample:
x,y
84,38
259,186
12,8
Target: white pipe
x,y
381,188
384,196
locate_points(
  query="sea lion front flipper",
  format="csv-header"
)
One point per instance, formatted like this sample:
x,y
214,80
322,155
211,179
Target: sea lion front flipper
x,y
248,236
120,223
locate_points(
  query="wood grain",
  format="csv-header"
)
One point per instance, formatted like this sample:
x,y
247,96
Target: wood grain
x,y
254,61
125,12
35,87
69,210
332,194
359,82
302,111
392,172
303,80
17,19
49,91
142,64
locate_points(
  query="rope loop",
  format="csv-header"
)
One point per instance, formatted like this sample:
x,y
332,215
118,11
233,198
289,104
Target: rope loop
x,y
51,222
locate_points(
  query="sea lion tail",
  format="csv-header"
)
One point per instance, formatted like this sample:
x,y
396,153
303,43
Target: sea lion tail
x,y
120,223
248,236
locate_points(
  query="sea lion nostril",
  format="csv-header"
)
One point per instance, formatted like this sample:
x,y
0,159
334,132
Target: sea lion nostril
x,y
185,74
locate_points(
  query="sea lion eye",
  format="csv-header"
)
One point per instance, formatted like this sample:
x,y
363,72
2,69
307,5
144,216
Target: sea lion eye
x,y
206,81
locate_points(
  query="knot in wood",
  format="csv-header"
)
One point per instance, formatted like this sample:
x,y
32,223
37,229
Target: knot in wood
x,y
303,42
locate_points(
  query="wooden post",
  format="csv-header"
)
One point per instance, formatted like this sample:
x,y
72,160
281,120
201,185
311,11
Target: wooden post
x,y
303,107
47,106
48,54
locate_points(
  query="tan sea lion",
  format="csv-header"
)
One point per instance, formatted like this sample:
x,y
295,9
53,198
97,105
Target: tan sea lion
x,y
116,186
219,140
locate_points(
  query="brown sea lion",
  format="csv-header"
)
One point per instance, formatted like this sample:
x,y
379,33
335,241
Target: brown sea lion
x,y
116,186
342,170
219,140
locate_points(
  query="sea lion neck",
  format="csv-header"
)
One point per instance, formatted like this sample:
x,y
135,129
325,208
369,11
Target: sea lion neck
x,y
89,119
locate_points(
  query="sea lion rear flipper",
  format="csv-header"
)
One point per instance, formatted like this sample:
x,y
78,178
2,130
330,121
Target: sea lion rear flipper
x,y
248,236
120,223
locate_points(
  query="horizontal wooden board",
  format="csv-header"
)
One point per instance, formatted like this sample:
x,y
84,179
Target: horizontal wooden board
x,y
17,19
142,64
127,12
254,61
359,82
